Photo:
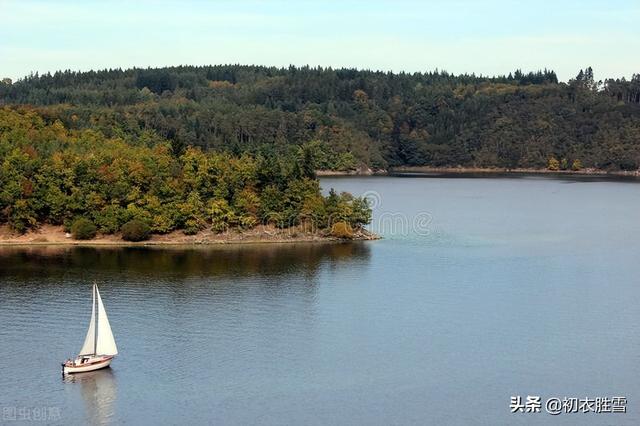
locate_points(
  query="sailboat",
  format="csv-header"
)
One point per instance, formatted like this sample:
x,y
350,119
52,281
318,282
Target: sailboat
x,y
99,346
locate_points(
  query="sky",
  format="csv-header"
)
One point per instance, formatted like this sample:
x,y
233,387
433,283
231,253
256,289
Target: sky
x,y
490,37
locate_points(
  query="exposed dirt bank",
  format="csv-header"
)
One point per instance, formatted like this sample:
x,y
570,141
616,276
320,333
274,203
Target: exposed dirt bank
x,y
48,234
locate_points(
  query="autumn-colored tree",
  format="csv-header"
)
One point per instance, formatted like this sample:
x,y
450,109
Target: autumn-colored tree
x,y
50,174
577,165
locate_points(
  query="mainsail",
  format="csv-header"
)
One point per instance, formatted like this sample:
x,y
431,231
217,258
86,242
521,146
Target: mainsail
x,y
106,344
103,343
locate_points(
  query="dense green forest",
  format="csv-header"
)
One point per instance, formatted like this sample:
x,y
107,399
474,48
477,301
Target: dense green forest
x,y
51,174
346,118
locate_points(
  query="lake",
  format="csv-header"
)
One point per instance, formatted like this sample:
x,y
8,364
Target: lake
x,y
482,289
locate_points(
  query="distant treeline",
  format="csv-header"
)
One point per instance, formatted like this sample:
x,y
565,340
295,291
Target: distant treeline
x,y
349,117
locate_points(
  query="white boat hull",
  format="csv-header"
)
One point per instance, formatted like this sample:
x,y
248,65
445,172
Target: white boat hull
x,y
91,365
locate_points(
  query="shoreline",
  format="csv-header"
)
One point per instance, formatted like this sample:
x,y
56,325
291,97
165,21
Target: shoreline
x,y
358,172
427,170
49,235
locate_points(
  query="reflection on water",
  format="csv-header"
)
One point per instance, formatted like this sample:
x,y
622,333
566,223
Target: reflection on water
x,y
239,260
99,392
183,318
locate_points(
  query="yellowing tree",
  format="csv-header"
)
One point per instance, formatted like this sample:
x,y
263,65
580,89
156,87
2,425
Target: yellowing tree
x,y
577,165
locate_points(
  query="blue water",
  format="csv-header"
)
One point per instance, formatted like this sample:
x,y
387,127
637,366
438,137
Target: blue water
x,y
482,289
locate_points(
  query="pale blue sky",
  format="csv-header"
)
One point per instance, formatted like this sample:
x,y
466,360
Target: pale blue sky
x,y
485,37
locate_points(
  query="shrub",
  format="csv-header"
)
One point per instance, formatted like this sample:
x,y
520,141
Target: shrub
x,y
342,230
191,227
577,165
22,216
135,230
247,222
83,229
564,164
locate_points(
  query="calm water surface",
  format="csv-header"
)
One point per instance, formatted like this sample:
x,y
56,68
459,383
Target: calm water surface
x,y
482,289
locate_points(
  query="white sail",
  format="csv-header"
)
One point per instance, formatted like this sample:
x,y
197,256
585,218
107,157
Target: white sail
x,y
106,344
89,341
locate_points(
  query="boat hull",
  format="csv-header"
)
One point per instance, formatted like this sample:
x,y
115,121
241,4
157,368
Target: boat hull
x,y
104,362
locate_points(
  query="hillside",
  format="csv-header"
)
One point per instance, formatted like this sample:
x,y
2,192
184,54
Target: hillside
x,y
346,118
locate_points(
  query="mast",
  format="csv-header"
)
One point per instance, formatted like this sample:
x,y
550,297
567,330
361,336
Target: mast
x,y
95,301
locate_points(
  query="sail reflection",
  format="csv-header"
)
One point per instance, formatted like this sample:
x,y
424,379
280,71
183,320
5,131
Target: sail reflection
x,y
99,392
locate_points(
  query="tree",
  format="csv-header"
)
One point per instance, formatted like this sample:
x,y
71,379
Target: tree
x,y
191,214
246,206
50,174
220,215
342,230
361,212
160,144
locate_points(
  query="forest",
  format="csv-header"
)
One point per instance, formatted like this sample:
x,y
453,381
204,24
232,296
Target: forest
x,y
98,183
348,118
196,147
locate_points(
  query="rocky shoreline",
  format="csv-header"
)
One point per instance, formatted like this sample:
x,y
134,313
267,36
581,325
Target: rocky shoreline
x,y
55,235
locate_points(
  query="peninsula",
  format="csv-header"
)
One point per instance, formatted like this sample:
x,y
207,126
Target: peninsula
x,y
59,185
